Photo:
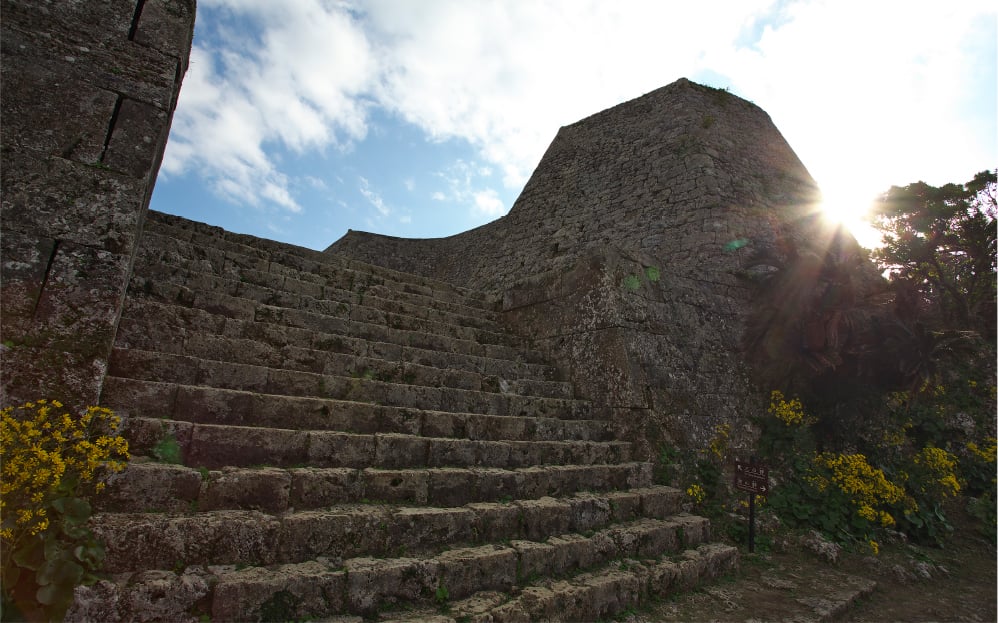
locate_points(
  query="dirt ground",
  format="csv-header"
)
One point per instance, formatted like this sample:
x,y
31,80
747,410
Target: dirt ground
x,y
904,583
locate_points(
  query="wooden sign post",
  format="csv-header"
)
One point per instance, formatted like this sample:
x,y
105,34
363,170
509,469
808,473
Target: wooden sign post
x,y
752,478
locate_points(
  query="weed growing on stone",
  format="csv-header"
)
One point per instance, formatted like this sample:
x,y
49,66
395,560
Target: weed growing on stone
x,y
167,450
632,283
441,596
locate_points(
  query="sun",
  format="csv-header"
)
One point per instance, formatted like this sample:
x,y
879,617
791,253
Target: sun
x,y
851,210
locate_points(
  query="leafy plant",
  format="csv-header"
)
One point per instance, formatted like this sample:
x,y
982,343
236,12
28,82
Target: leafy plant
x,y
167,450
51,462
632,283
442,596
665,465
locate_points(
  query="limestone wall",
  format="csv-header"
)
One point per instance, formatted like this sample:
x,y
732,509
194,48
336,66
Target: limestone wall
x,y
678,172
622,255
89,89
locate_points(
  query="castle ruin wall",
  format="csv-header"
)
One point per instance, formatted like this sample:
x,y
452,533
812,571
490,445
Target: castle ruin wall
x,y
89,90
622,256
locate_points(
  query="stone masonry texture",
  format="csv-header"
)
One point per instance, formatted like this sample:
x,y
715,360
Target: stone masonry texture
x,y
622,256
89,90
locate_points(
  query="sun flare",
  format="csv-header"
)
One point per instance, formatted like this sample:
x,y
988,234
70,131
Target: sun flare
x,y
852,211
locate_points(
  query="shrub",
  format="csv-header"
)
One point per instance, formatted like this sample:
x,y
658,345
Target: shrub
x,y
51,463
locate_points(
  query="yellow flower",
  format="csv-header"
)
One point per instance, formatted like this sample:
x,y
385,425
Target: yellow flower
x,y
696,493
719,442
790,412
941,467
41,449
987,454
874,547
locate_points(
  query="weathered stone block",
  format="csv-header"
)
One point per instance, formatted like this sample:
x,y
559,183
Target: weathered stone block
x,y
416,527
166,26
290,592
495,521
267,490
220,446
343,532
63,117
375,584
589,512
24,261
57,198
207,405
399,486
313,487
332,449
401,451
465,571
544,517
151,486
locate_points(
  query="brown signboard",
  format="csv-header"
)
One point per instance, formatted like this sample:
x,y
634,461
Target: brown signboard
x,y
752,477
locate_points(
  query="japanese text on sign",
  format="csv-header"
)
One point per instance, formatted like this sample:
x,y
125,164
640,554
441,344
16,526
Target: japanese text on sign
x,y
751,477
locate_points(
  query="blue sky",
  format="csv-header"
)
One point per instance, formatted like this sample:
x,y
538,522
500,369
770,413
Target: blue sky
x,y
300,119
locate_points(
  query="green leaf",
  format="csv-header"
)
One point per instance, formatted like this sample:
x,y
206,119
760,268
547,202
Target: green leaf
x,y
75,510
29,555
56,596
11,575
90,553
74,531
59,572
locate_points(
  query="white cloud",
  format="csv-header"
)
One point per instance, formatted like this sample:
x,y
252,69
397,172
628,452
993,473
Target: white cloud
x,y
488,203
465,186
866,92
300,87
373,197
875,93
506,75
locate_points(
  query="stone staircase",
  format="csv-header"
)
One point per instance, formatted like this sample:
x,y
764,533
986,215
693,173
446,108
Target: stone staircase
x,y
317,438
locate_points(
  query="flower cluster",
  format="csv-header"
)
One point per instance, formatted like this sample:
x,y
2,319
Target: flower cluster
x,y
866,486
45,454
986,454
790,412
719,442
696,493
941,467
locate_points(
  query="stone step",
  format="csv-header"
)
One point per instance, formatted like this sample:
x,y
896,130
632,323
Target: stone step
x,y
185,370
138,541
152,325
598,595
209,405
215,446
419,334
241,301
373,584
161,487
322,590
140,334
164,280
323,294
213,245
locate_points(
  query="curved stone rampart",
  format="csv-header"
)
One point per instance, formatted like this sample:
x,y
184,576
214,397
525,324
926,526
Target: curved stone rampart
x,y
621,257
